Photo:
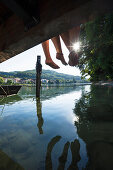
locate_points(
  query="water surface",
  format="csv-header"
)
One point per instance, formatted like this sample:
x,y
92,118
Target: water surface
x,y
69,128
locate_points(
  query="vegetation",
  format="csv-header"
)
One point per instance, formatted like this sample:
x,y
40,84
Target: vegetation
x,y
96,57
46,74
1,80
9,82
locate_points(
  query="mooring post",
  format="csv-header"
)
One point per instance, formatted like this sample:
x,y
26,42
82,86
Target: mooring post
x,y
38,76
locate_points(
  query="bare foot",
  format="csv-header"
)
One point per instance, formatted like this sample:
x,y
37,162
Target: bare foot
x,y
52,64
60,57
73,58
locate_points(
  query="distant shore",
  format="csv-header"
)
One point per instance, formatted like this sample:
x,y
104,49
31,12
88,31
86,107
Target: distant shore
x,y
57,85
104,83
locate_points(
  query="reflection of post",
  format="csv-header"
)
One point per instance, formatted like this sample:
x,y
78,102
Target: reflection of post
x,y
38,77
39,115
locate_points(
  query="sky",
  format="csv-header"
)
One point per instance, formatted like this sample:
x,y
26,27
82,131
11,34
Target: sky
x,y
27,61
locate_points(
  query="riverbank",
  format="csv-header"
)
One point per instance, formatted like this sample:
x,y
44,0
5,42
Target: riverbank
x,y
104,83
57,85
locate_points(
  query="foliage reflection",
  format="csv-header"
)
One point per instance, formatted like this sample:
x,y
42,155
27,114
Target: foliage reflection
x,y
95,114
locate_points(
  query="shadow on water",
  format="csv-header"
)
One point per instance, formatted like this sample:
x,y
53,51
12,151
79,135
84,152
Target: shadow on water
x,y
95,126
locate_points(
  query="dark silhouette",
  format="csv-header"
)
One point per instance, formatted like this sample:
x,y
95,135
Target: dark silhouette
x,y
75,148
63,157
51,144
39,115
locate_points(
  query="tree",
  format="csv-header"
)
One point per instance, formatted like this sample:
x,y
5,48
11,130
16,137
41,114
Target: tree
x,y
74,80
57,81
9,82
1,80
96,56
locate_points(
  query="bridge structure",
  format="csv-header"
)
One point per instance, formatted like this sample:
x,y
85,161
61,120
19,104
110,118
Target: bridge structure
x,y
27,23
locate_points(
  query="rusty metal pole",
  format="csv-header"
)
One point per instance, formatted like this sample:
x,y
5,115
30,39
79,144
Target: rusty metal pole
x,y
38,76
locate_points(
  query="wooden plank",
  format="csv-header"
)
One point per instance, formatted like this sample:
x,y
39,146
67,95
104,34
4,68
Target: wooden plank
x,y
54,20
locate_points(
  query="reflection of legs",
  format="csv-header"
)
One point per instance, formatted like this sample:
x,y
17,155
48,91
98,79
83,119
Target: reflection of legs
x,y
40,118
57,44
75,147
49,60
63,157
50,146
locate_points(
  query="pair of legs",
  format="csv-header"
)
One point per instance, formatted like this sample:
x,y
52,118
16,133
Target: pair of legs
x,y
69,38
59,54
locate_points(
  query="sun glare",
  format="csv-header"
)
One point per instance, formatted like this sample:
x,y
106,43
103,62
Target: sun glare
x,y
76,46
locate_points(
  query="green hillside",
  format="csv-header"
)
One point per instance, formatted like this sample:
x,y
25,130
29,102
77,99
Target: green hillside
x,y
46,74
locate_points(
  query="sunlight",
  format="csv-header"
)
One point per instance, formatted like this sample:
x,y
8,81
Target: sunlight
x,y
76,46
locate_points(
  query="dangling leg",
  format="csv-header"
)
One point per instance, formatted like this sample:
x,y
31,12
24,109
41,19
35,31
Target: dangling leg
x,y
57,44
65,38
49,60
74,37
70,37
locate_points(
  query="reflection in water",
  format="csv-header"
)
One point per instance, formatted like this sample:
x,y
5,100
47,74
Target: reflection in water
x,y
63,157
95,127
47,92
39,115
19,138
10,100
6,163
83,137
75,149
51,144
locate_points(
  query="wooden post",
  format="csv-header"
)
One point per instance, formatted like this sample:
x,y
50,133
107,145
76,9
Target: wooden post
x,y
38,76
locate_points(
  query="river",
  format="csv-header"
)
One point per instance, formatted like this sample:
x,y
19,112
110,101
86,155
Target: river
x,y
69,128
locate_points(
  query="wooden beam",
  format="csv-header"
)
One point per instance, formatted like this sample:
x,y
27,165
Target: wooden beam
x,y
29,20
14,39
